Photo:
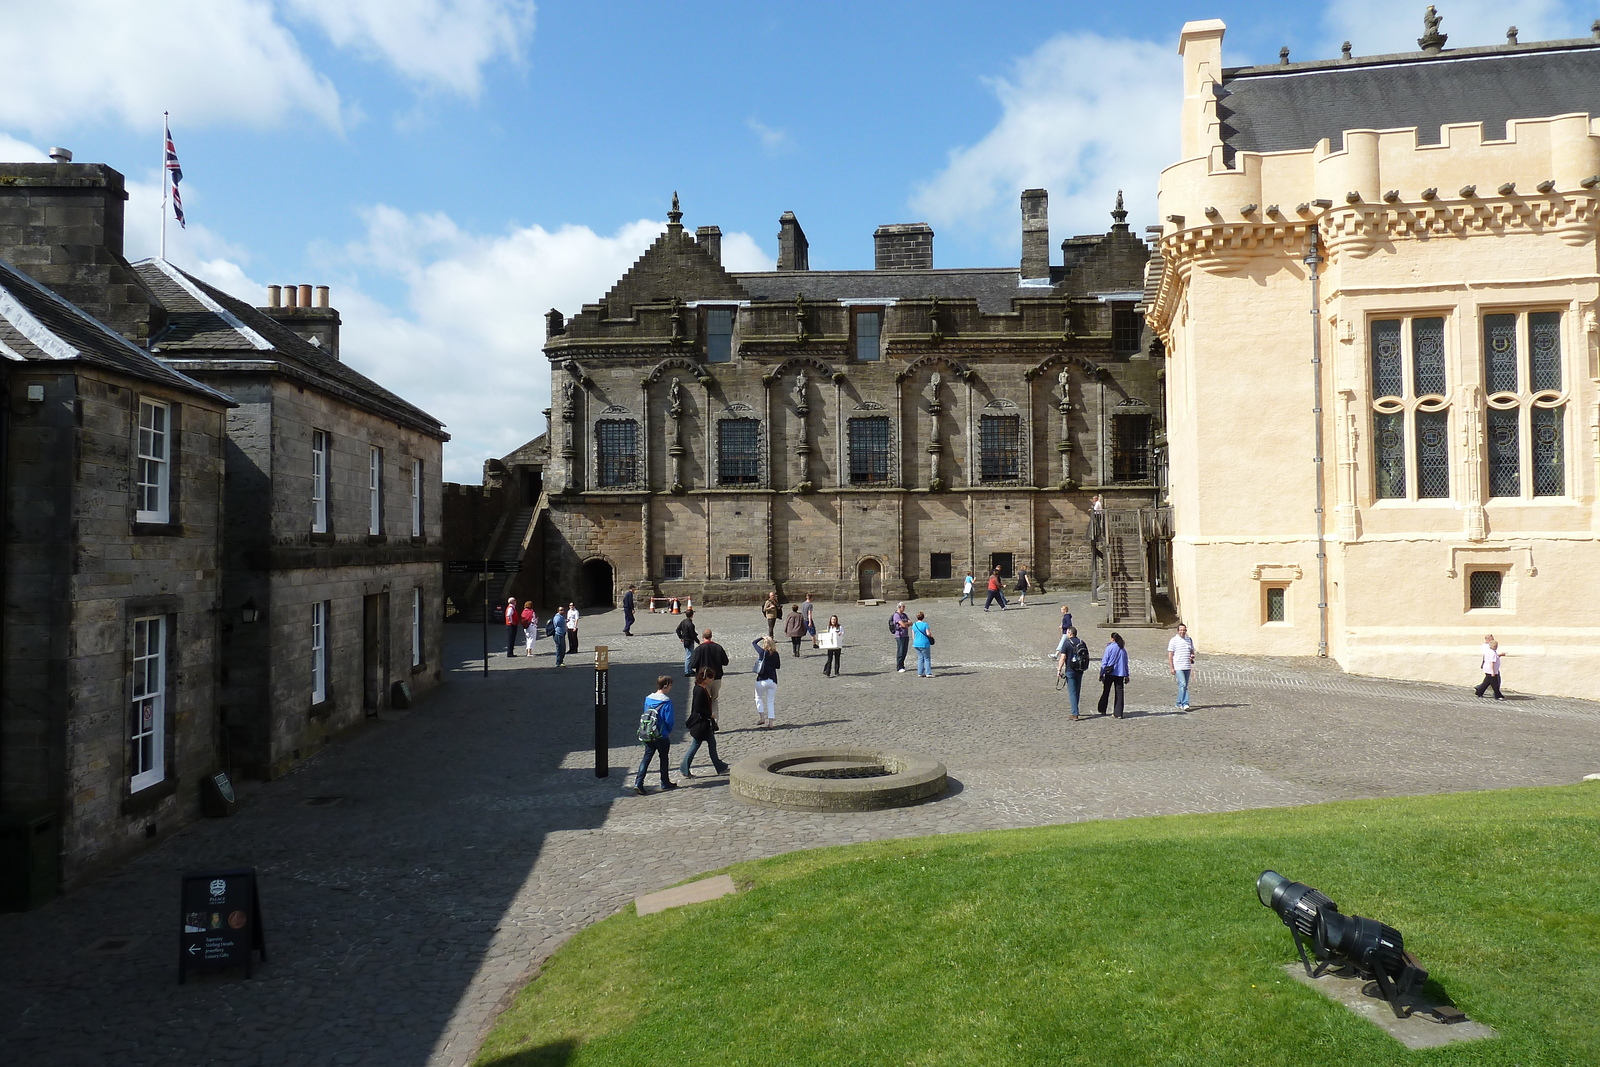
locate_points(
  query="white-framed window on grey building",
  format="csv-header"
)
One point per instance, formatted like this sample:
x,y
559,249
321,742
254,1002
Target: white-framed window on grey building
x,y
1126,326
155,462
319,481
999,448
319,650
416,626
148,706
672,568
869,449
1410,408
868,324
719,334
1525,384
416,498
616,443
738,451
738,568
374,490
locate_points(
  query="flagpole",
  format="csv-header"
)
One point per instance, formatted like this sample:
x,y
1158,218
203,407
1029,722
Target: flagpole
x,y
164,178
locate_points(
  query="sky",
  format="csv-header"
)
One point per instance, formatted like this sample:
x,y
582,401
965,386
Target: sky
x,y
454,168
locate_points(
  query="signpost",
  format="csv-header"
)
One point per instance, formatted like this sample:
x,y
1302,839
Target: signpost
x,y
483,568
220,920
602,711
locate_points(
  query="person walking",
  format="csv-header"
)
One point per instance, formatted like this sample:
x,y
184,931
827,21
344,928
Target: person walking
x,y
966,591
530,625
1066,618
1022,586
558,631
627,612
767,664
1113,673
833,644
771,610
702,724
1491,668
1180,660
713,658
794,627
922,641
572,627
655,730
1072,659
806,608
512,617
900,627
689,638
995,591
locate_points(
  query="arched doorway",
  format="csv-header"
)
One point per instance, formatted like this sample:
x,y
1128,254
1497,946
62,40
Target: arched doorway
x,y
595,584
869,575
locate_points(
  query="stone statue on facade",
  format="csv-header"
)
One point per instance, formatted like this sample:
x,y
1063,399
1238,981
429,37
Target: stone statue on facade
x,y
800,384
675,399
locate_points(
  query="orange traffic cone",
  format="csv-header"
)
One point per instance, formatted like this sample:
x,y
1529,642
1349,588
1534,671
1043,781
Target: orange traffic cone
x,y
675,606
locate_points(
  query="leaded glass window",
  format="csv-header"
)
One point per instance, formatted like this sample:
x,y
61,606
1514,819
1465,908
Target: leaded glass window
x,y
616,451
1505,467
738,452
1549,467
1544,350
1000,448
1483,589
1500,353
1277,603
1389,448
1427,356
1433,454
869,450
1130,448
1386,378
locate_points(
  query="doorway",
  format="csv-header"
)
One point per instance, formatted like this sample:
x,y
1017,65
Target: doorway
x,y
869,576
532,486
595,588
374,651
1002,561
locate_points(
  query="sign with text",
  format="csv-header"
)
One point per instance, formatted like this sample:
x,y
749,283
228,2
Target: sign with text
x,y
220,921
485,566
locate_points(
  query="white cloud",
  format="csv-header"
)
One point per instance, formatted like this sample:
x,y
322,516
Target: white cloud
x,y
1082,116
443,44
15,151
772,139
1376,27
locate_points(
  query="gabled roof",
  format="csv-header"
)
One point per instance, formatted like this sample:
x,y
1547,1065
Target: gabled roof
x,y
208,326
36,324
1293,106
673,266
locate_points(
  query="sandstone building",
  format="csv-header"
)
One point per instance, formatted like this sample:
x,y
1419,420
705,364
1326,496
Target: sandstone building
x,y
1421,460
852,434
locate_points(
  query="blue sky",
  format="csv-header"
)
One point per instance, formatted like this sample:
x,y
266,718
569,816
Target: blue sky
x,y
453,168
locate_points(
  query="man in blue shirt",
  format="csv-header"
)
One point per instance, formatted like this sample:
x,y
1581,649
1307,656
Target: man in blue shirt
x,y
627,612
657,721
559,632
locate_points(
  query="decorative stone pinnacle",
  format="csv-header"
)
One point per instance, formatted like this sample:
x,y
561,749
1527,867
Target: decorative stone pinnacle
x,y
1511,35
1283,55
1119,214
1344,50
675,216
1432,41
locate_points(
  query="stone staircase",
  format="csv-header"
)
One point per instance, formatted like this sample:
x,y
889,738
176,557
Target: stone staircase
x,y
1125,561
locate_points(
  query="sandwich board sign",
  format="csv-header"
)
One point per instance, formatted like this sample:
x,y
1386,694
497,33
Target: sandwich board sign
x,y
220,921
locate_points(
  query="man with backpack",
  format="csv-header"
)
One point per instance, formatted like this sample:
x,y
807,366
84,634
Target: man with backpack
x,y
900,627
689,638
655,731
1072,659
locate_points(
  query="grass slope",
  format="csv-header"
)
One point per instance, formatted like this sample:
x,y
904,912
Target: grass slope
x,y
1121,942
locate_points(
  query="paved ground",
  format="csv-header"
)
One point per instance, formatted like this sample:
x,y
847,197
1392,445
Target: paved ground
x,y
471,835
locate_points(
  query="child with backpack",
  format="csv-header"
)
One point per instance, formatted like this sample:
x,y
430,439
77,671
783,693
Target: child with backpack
x,y
655,731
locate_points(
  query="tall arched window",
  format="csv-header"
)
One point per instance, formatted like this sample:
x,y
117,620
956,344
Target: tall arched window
x,y
1411,409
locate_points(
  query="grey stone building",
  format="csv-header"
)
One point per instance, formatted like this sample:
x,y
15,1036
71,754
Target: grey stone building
x,y
851,434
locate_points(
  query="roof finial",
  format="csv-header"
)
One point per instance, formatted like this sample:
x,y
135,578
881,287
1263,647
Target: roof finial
x,y
675,216
1432,41
1119,214
1344,50
1283,55
1511,35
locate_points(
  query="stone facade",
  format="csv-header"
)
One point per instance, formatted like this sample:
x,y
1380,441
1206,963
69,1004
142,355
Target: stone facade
x,y
1449,353
849,434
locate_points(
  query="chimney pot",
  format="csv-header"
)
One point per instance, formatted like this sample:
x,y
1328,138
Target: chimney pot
x,y
1035,233
291,296
61,155
903,246
305,296
322,296
274,296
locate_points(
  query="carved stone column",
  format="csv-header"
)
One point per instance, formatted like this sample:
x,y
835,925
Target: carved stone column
x,y
1472,416
1346,438
802,448
676,450
1064,442
569,451
935,445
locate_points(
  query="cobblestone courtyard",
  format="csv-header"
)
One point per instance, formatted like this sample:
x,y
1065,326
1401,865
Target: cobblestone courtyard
x,y
412,875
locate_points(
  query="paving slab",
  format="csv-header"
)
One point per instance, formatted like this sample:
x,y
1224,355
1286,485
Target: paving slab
x,y
693,893
1414,1031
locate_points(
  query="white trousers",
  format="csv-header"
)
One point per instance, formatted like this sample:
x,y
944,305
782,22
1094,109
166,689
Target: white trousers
x,y
533,635
767,699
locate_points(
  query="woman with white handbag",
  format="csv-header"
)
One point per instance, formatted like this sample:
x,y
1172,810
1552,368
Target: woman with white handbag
x,y
831,640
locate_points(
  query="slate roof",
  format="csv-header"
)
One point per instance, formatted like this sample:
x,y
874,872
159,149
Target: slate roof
x,y
36,324
205,323
1293,106
992,288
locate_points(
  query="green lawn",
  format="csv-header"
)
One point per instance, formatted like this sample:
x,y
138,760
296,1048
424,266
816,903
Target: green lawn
x,y
1135,941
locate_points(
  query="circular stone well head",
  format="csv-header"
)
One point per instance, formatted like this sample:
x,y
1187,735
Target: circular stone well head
x,y
837,779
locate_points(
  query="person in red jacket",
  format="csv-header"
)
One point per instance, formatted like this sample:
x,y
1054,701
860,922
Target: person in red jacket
x,y
995,591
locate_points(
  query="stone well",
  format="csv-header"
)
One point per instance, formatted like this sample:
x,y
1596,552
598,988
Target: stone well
x,y
837,779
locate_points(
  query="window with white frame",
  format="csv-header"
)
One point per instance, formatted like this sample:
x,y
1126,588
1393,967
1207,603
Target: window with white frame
x,y
1524,381
148,707
719,335
155,462
319,481
416,626
869,331
1410,409
319,651
416,498
374,490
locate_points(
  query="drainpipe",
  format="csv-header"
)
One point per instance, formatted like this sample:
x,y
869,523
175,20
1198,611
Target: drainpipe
x,y
1313,258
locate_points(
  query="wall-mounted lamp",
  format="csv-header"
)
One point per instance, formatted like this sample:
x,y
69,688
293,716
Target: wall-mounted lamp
x,y
249,614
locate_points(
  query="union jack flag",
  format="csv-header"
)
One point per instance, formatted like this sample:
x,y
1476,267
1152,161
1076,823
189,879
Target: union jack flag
x,y
174,176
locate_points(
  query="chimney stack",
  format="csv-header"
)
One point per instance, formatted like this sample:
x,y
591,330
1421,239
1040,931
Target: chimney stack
x,y
793,251
317,323
1035,234
903,246
710,239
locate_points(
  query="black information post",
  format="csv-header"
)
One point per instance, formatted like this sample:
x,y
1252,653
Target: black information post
x,y
602,711
483,568
220,920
